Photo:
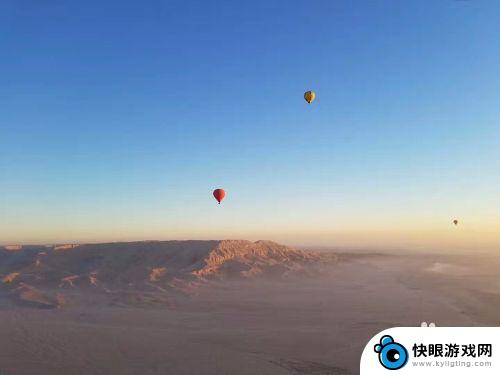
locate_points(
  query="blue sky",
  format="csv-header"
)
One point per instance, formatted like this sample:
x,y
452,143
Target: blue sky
x,y
118,119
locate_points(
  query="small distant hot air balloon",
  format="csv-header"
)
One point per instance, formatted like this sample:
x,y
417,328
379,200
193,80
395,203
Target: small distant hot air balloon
x,y
219,194
309,96
455,222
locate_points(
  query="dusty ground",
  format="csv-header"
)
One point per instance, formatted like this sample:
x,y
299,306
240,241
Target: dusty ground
x,y
254,327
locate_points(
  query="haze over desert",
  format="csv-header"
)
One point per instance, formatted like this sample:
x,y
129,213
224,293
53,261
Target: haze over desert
x,y
223,307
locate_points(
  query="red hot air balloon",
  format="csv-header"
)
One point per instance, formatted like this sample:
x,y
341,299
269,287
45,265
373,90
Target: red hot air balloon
x,y
219,194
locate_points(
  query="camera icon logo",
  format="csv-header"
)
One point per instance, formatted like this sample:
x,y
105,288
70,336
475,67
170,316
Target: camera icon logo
x,y
391,355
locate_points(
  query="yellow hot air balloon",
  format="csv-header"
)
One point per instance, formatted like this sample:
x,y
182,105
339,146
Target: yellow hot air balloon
x,y
309,96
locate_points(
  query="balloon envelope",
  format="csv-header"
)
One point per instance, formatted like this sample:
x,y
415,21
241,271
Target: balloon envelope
x,y
219,194
309,96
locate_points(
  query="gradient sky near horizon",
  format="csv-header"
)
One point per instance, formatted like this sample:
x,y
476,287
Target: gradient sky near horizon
x,y
119,118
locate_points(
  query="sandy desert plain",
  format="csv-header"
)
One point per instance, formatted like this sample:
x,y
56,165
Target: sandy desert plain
x,y
223,307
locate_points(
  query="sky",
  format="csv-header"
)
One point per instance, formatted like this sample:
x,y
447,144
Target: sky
x,y
119,118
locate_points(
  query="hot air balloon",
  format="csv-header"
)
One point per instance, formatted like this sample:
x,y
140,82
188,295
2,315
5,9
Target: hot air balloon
x,y
455,222
309,96
219,194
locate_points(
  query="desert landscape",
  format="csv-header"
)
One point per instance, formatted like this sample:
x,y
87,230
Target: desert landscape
x,y
243,187
223,307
